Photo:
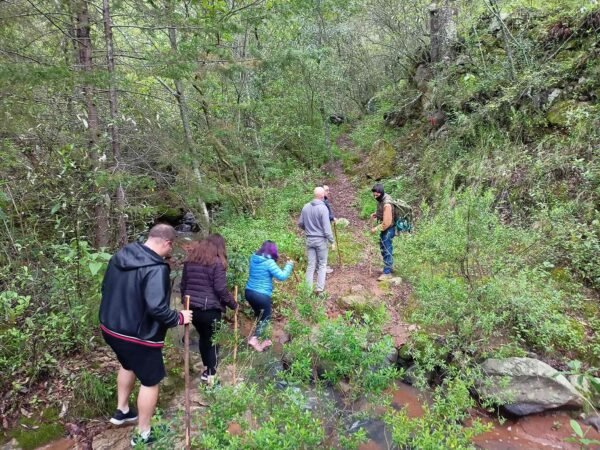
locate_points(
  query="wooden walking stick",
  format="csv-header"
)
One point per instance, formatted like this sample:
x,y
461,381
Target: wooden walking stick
x,y
186,341
337,244
235,335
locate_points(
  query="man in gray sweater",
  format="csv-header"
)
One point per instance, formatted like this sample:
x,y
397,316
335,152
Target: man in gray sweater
x,y
314,220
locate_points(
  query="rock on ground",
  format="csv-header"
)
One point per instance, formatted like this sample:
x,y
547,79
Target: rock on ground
x,y
526,386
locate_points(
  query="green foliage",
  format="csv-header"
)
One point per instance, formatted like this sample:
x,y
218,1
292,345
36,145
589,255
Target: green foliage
x,y
30,438
245,235
473,284
348,348
96,395
49,307
267,418
441,426
580,436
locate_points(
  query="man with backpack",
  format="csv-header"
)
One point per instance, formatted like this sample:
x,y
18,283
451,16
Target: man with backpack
x,y
386,228
394,217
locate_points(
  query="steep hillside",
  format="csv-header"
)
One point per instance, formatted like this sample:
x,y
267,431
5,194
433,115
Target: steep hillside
x,y
500,148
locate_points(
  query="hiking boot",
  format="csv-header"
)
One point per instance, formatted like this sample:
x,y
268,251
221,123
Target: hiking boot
x,y
119,417
385,276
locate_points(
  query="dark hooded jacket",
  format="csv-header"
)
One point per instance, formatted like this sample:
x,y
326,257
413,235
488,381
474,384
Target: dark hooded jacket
x,y
136,295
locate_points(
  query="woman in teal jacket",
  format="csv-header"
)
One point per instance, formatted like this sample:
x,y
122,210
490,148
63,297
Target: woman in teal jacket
x,y
259,289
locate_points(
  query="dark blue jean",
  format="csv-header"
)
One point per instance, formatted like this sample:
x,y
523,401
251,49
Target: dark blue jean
x,y
261,304
386,239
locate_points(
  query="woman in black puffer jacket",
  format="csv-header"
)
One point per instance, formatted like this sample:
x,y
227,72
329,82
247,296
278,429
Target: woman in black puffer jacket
x,y
204,280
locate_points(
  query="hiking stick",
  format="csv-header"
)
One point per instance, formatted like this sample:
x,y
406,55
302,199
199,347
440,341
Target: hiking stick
x,y
337,244
186,362
235,335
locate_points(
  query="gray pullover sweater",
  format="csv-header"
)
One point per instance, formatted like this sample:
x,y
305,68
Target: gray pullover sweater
x,y
314,220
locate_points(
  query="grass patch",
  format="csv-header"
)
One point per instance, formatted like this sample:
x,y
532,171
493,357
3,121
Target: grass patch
x,y
34,432
96,395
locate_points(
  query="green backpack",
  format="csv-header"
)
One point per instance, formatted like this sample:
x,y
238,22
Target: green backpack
x,y
403,216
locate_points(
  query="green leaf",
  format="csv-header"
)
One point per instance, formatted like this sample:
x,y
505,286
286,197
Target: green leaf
x,y
574,365
596,384
576,428
55,208
95,267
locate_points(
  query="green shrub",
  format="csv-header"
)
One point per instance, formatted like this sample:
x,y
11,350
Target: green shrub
x,y
266,417
49,308
475,288
442,425
95,395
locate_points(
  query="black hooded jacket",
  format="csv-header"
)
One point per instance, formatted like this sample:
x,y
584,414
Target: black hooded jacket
x,y
135,297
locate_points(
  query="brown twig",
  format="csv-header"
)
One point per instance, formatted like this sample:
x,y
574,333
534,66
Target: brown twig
x,y
235,336
186,341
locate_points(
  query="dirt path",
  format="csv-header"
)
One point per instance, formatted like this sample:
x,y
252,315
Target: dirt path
x,y
362,276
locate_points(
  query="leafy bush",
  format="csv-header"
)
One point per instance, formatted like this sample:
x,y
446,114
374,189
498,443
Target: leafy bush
x,y
244,235
262,418
475,289
442,425
348,348
49,308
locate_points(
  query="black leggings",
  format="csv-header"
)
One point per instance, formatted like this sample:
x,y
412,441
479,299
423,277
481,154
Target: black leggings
x,y
205,323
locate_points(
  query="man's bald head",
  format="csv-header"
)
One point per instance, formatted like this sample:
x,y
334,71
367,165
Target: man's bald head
x,y
319,193
162,231
161,239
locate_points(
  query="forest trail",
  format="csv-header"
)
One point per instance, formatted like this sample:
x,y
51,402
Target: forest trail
x,y
359,277
357,274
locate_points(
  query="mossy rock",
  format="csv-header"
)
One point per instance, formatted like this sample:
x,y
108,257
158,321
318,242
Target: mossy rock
x,y
358,303
381,160
558,114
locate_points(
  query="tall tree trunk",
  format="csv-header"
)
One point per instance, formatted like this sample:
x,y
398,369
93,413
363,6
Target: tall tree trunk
x,y
114,127
85,64
442,27
187,134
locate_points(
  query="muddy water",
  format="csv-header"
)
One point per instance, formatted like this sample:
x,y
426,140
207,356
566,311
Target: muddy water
x,y
541,431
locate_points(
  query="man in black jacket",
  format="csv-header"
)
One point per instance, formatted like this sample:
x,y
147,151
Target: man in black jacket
x,y
134,318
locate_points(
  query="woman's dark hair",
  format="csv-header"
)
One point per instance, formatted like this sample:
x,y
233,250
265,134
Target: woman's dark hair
x,y
218,241
202,252
269,249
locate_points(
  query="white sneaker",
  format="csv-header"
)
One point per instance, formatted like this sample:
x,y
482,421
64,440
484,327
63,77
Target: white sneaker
x,y
328,270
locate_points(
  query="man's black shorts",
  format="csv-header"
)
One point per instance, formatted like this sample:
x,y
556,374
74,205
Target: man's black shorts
x,y
146,362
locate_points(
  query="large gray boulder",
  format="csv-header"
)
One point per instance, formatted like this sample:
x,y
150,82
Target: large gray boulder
x,y
525,386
